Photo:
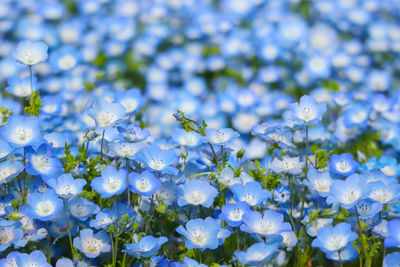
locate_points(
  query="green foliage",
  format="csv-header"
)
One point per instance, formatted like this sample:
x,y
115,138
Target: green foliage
x,y
5,114
269,180
331,85
34,104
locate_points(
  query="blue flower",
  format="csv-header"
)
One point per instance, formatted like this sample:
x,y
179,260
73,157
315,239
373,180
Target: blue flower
x,y
133,133
10,233
332,239
66,186
81,208
22,87
384,191
196,192
131,99
367,208
64,59
9,170
348,253
343,164
184,138
356,115
21,131
393,238
5,149
251,192
307,110
104,219
36,258
112,182
233,213
269,224
41,161
143,183
281,194
44,206
30,52
319,181
201,234
392,259
146,247
92,245
124,149
257,254
105,113
157,159
291,165
221,137
348,192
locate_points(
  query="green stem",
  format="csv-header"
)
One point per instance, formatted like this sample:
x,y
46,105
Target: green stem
x,y
102,142
215,155
198,174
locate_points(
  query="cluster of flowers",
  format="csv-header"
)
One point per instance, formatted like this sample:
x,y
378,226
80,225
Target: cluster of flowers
x,y
199,133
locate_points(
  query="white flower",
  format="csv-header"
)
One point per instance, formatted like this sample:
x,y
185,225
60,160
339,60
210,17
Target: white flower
x,y
30,53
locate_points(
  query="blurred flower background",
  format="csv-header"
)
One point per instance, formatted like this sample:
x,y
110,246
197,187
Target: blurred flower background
x,y
199,133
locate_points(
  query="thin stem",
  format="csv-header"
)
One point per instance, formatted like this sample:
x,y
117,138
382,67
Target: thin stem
x,y
215,155
31,77
306,169
340,258
198,174
127,181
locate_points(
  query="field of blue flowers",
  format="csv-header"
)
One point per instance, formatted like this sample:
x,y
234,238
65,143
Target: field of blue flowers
x,y
195,133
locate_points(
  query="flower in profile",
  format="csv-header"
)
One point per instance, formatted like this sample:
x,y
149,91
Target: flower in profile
x,y
111,182
41,161
343,164
66,186
157,159
143,183
332,239
269,224
201,234
21,131
146,247
307,110
233,213
30,52
257,254
92,245
221,137
348,192
36,258
348,253
9,170
251,193
10,233
133,133
44,206
104,219
196,192
124,149
105,113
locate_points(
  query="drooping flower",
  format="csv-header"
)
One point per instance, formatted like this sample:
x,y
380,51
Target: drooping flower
x,y
143,183
201,234
44,206
66,186
146,247
257,254
196,192
251,192
103,219
332,239
157,159
133,133
307,110
111,182
92,245
268,224
30,52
